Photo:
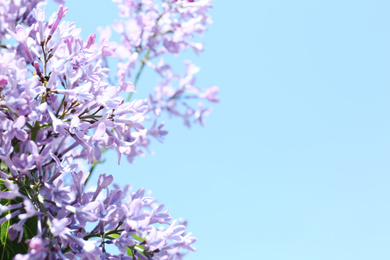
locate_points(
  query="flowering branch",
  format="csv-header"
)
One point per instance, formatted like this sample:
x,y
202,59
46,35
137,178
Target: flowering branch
x,y
59,109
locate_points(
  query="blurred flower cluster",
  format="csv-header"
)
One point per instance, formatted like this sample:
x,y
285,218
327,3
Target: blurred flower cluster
x,y
59,108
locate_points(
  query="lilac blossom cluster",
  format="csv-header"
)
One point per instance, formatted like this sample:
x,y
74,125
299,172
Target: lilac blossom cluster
x,y
58,108
151,29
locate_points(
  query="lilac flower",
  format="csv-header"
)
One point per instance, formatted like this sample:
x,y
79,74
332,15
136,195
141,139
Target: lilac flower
x,y
60,14
156,216
106,214
77,127
81,94
211,94
103,182
15,129
10,216
21,35
174,232
59,227
157,132
30,210
16,231
10,207
37,250
39,156
123,241
12,193
58,192
65,165
90,41
23,163
58,125
201,113
125,86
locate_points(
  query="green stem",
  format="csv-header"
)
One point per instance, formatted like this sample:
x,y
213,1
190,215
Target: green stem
x,y
43,96
95,163
90,116
69,119
44,59
59,108
34,131
29,126
105,234
139,73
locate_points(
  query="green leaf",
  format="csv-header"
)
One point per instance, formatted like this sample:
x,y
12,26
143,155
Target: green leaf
x,y
136,247
138,237
129,252
30,228
114,235
8,248
4,167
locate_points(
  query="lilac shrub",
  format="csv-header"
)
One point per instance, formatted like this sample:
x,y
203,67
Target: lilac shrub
x,y
59,107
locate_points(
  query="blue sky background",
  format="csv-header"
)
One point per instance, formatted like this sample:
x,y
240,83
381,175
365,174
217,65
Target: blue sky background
x,y
294,161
